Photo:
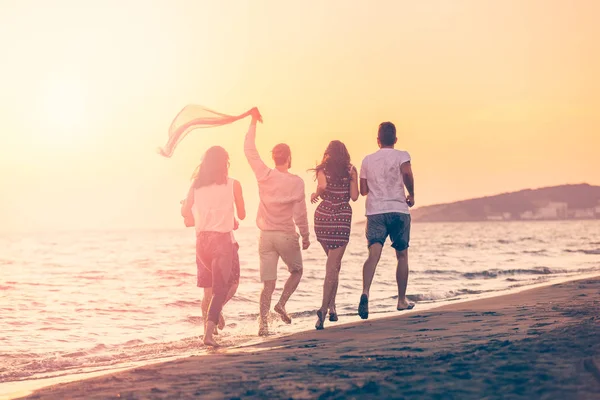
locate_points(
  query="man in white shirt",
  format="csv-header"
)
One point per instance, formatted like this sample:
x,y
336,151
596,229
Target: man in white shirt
x,y
384,176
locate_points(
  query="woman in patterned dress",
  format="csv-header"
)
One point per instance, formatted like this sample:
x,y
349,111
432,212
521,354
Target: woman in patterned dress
x,y
337,183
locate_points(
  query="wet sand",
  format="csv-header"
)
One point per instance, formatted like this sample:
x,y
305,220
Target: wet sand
x,y
542,343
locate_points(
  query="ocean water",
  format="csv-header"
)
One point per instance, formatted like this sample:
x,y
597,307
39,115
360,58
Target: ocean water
x,y
84,301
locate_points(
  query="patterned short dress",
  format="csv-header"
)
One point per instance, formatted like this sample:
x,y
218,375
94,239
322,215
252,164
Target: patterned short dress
x,y
333,217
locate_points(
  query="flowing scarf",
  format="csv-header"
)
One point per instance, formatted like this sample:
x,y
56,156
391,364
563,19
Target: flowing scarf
x,y
194,117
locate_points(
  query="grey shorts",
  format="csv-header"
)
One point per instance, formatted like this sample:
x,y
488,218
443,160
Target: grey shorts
x,y
274,245
394,225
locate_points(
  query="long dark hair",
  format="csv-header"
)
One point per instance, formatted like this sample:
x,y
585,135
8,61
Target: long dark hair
x,y
214,168
336,161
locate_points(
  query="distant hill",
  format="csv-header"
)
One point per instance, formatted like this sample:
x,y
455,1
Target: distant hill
x,y
558,202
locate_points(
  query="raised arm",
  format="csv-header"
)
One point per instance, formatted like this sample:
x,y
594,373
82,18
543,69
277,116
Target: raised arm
x,y
409,182
238,195
301,216
261,170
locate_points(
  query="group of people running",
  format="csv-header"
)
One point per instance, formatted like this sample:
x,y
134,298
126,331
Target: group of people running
x,y
215,202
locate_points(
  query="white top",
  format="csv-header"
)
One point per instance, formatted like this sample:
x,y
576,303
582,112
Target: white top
x,y
384,178
213,208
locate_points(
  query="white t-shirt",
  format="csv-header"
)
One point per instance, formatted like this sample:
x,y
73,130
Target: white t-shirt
x,y
384,177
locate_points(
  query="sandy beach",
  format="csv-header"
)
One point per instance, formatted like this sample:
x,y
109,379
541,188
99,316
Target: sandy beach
x,y
540,343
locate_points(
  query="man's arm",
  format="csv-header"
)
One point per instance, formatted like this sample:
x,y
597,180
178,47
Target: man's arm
x,y
261,170
409,182
364,186
301,217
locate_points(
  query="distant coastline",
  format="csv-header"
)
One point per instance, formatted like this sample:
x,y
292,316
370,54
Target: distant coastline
x,y
556,203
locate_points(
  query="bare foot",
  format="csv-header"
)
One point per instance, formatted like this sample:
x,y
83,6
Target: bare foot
x,y
405,305
210,342
221,323
209,330
333,317
215,331
320,321
263,328
284,315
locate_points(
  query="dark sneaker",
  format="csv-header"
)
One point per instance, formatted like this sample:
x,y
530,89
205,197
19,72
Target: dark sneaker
x,y
363,307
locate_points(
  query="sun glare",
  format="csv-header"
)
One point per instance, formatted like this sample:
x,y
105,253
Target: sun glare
x,y
64,106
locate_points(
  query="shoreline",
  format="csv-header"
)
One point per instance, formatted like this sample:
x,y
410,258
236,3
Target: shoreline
x,y
37,381
49,385
501,221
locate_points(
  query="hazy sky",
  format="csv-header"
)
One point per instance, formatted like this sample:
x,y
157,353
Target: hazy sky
x,y
488,96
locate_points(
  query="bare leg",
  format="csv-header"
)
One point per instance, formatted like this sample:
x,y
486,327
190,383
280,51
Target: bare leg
x,y
210,326
370,266
368,274
332,309
290,287
232,290
220,288
332,274
208,335
334,262
402,280
332,304
265,305
325,249
208,294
